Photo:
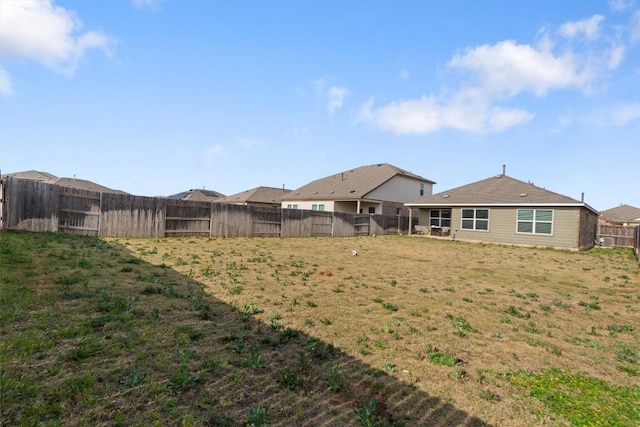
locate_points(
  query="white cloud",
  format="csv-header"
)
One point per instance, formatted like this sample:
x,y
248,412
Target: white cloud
x,y
333,96
5,83
635,28
147,4
589,28
336,97
41,31
506,69
616,55
624,114
620,5
428,114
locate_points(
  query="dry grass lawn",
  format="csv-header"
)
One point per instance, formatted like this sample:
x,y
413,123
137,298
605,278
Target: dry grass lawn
x,y
303,332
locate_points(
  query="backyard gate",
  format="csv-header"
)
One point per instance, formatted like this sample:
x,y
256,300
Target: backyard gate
x,y
79,212
361,225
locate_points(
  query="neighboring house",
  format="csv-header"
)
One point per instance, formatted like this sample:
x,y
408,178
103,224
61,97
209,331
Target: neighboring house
x,y
197,195
34,175
505,210
260,196
375,189
625,215
81,184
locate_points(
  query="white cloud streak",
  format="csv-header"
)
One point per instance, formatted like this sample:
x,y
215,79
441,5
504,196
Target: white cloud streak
x,y
336,96
5,83
40,31
588,28
635,28
624,114
146,4
492,75
332,96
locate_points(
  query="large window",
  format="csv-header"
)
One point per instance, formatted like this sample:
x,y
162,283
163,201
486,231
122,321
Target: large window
x,y
292,206
315,207
422,188
535,221
475,219
440,217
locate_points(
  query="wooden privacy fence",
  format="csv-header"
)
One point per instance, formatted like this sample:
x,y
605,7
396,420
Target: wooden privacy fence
x,y
616,235
40,207
636,243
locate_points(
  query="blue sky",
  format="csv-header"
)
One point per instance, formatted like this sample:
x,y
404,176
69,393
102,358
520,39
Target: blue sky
x,y
157,97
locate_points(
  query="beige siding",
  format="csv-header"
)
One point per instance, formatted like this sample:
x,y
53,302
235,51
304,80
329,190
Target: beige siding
x,y
308,205
400,189
502,227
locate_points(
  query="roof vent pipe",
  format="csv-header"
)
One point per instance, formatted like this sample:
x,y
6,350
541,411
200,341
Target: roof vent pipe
x,y
504,170
582,197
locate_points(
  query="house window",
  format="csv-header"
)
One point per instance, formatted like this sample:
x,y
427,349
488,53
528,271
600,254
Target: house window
x,y
535,221
314,207
398,210
475,219
422,188
294,206
320,207
440,217
372,209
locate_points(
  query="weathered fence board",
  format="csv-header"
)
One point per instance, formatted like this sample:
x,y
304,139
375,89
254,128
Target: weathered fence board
x,y
187,218
36,206
636,243
29,205
79,212
361,225
616,235
124,215
343,224
265,222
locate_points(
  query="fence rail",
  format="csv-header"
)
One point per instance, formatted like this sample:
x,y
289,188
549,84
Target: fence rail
x,y
616,235
37,206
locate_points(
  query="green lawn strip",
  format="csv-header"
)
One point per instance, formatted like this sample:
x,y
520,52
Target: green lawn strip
x,y
582,400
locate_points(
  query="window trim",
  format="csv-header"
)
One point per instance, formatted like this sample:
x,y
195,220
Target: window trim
x,y
475,219
440,218
534,222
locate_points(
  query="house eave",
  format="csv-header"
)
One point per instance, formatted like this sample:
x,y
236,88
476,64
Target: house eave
x,y
501,205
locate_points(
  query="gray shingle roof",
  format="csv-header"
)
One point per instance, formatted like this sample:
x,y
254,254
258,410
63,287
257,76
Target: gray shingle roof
x,y
256,195
350,185
622,213
32,174
83,184
197,195
496,191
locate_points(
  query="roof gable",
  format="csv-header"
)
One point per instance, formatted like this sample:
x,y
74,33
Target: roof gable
x,y
497,190
622,213
83,184
352,184
33,174
256,195
199,195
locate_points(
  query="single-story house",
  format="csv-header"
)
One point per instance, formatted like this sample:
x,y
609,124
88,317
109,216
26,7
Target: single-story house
x,y
260,196
197,195
505,210
625,215
81,184
375,189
